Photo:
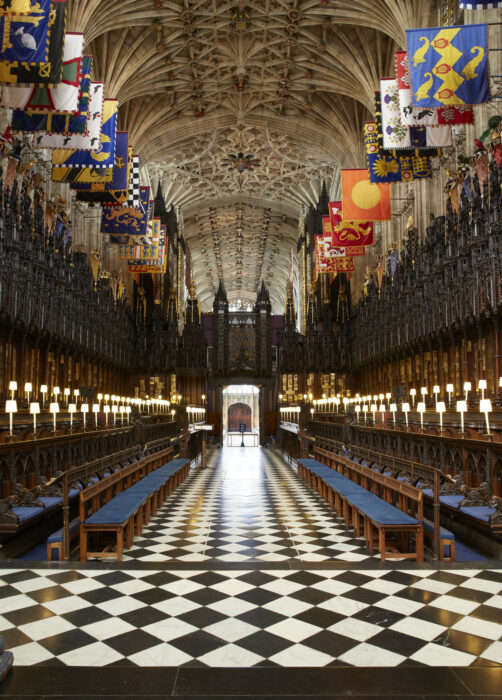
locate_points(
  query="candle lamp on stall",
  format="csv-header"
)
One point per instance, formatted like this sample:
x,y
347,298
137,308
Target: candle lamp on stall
x,y
43,391
34,410
467,388
12,389
393,408
440,408
365,411
413,393
11,408
84,409
462,408
28,388
421,410
95,410
54,409
373,409
449,391
405,407
382,411
485,406
72,408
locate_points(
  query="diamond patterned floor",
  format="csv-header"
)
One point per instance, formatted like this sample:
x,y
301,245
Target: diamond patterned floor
x,y
244,567
277,617
249,506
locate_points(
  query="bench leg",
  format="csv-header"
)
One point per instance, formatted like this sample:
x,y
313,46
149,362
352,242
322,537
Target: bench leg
x,y
120,543
369,530
381,542
83,544
419,544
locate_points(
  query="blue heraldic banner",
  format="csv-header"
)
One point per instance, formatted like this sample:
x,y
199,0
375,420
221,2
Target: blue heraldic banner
x,y
449,66
124,224
25,39
90,166
119,179
384,167
480,5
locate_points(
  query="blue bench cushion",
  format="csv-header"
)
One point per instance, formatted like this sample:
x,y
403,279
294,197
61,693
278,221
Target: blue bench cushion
x,y
24,513
126,503
58,535
480,512
50,501
368,503
444,533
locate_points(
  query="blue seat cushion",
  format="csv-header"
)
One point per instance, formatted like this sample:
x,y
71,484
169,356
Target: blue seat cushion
x,y
24,513
58,535
50,501
444,533
480,512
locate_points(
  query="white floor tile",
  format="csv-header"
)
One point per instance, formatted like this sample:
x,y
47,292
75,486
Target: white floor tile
x,y
366,654
438,655
300,655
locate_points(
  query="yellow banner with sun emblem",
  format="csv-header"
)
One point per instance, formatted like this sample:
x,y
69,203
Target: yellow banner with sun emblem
x,y
449,65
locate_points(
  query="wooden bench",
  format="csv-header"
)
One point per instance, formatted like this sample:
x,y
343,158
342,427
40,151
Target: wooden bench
x,y
446,540
123,502
356,504
55,541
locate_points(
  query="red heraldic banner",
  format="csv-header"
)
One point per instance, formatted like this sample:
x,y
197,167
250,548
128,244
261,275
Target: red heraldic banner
x,y
332,249
349,234
363,200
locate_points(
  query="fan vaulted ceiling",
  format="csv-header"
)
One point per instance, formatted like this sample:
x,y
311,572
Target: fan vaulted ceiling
x,y
241,109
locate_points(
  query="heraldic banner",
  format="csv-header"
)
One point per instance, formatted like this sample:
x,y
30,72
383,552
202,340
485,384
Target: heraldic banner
x,y
363,200
449,66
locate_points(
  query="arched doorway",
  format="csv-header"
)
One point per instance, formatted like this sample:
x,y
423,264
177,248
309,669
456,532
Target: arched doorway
x,y
239,414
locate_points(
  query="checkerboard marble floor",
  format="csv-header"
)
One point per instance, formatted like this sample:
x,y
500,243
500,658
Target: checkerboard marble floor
x,y
247,618
244,567
249,506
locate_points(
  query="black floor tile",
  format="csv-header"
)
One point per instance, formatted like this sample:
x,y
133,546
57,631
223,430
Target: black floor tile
x,y
13,637
258,596
397,642
437,615
85,616
152,596
330,643
305,578
66,641
44,595
143,616
488,612
101,595
261,617
112,578
319,617
197,643
202,617
311,595
26,615
462,641
264,643
132,642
